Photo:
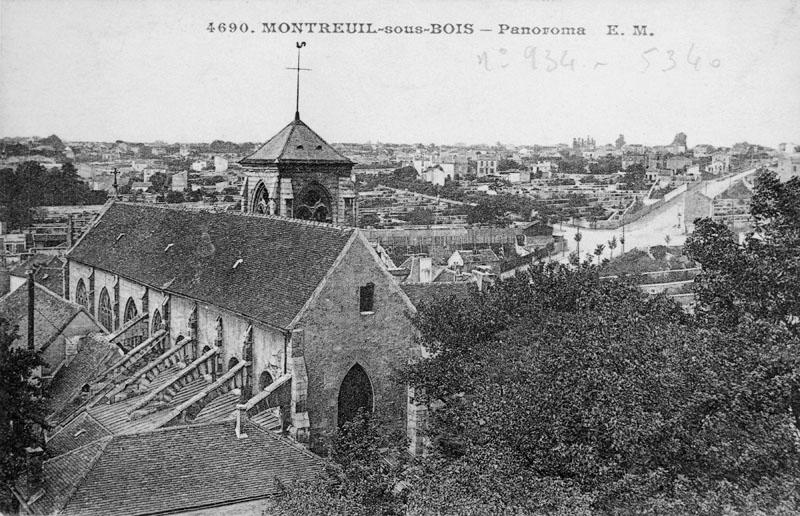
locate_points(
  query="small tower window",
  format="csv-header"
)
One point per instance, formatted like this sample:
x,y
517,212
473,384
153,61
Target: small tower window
x,y
366,298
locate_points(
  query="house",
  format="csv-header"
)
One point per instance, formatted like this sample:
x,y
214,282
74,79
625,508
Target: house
x,y
420,269
220,302
788,166
434,175
486,165
232,466
468,259
676,164
48,271
180,181
58,325
141,186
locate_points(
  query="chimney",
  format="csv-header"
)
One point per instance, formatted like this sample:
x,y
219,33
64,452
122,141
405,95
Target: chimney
x,y
70,228
34,459
31,297
241,414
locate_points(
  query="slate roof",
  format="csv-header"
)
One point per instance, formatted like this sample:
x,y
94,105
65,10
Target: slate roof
x,y
283,260
48,271
81,431
296,143
93,354
172,469
51,315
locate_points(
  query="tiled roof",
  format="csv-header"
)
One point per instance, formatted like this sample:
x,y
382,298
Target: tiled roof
x,y
81,431
295,143
428,292
48,271
51,315
93,354
173,469
193,252
61,475
221,407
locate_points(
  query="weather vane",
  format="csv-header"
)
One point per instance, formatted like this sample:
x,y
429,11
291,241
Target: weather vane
x,y
300,44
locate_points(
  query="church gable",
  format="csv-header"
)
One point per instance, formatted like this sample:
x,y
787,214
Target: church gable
x,y
358,317
261,267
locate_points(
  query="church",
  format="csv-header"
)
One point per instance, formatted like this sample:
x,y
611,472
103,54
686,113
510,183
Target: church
x,y
281,310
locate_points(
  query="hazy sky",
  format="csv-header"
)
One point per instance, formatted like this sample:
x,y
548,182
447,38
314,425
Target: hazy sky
x,y
148,70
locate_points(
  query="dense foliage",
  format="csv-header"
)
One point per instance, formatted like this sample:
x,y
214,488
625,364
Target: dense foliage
x,y
31,185
758,278
22,410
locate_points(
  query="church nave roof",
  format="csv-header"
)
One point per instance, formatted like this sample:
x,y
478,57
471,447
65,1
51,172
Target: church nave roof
x,y
194,253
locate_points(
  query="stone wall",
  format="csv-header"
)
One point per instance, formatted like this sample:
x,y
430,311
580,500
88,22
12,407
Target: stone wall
x,y
337,336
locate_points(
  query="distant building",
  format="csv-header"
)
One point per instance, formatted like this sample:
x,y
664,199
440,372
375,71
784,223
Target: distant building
x,y
677,164
180,181
149,172
465,260
434,175
486,165
789,166
140,186
220,164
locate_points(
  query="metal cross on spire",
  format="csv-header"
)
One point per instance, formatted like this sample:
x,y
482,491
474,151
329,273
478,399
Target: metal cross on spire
x,y
300,44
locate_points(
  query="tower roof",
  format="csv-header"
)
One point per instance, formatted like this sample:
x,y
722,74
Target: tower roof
x,y
295,143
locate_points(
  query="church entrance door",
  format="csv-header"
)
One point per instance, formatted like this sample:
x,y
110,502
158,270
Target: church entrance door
x,y
354,394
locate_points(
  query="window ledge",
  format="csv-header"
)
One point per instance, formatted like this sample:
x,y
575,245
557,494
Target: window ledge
x,y
367,313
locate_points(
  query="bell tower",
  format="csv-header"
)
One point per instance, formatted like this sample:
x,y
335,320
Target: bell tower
x,y
297,174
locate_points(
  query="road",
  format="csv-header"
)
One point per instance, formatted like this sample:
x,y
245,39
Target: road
x,y
652,229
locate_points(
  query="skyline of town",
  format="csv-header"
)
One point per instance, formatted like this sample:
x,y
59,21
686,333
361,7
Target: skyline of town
x,y
144,71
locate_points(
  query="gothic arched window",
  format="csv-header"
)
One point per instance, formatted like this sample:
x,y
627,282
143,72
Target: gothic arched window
x,y
264,380
105,313
80,294
261,201
313,203
130,311
157,322
232,362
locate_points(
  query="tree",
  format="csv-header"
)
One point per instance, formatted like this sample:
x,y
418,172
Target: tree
x,y
578,238
420,217
30,185
173,197
406,173
635,177
370,219
598,251
193,195
611,401
22,408
507,164
365,466
159,182
612,244
765,263
489,210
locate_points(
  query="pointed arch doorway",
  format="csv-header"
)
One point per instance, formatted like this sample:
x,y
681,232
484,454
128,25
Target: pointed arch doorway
x,y
355,393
